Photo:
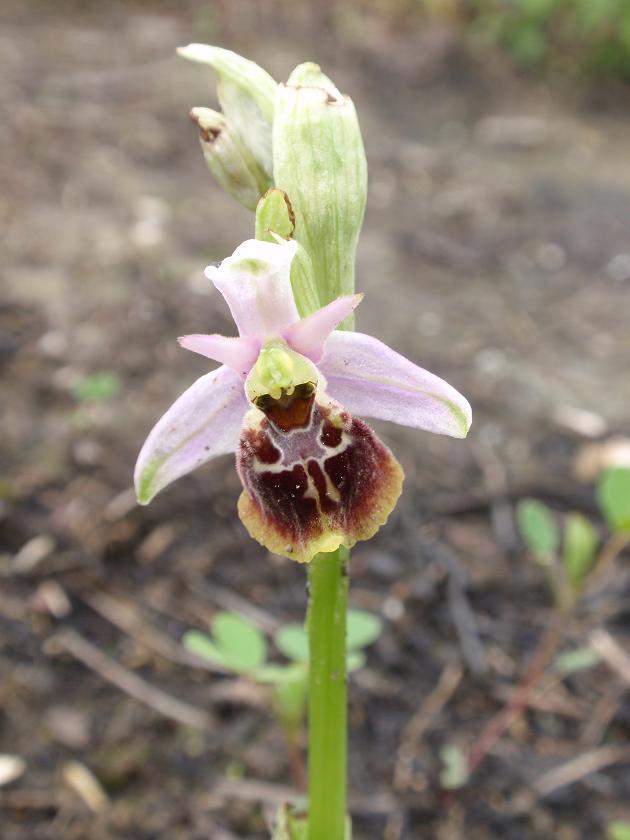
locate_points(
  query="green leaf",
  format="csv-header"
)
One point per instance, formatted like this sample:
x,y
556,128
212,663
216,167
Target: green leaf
x,y
292,641
241,644
618,831
203,646
354,661
291,698
613,494
276,674
97,386
454,773
580,659
580,545
363,629
537,527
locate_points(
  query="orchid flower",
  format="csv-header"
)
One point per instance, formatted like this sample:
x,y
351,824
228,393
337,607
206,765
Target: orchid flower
x,y
284,399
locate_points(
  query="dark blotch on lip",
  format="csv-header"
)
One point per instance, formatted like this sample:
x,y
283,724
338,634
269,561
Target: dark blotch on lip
x,y
289,411
331,435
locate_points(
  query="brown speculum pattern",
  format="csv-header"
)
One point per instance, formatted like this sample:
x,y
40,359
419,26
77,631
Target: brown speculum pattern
x,y
314,476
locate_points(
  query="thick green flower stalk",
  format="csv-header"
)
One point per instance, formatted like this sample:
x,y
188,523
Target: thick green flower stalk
x,y
285,399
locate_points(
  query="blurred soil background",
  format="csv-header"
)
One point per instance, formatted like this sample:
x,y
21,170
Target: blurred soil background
x,y
495,252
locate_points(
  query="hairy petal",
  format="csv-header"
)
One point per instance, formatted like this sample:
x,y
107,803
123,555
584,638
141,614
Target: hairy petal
x,y
371,379
327,482
309,335
238,353
256,284
202,423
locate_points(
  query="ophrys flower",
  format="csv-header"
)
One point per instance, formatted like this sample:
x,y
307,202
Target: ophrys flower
x,y
315,477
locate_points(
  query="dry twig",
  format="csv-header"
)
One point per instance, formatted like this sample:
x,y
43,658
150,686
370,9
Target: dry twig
x,y
130,683
127,618
577,768
612,653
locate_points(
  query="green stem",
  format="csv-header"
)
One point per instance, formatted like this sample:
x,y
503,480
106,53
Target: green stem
x,y
328,604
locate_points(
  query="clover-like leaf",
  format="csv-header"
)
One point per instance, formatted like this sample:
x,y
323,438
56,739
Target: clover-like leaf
x,y
613,495
276,674
203,646
241,644
292,641
537,527
580,545
363,629
355,660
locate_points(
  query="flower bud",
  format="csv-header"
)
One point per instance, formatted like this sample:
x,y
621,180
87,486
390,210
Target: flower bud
x,y
319,161
229,160
246,93
275,219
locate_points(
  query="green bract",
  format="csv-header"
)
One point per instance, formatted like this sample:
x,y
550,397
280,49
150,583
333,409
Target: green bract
x,y
275,220
319,161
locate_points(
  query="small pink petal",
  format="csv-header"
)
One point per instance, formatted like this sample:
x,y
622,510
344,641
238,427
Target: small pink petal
x,y
372,380
256,284
204,422
309,335
238,353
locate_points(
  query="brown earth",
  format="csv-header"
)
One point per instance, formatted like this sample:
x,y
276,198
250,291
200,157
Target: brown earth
x,y
495,253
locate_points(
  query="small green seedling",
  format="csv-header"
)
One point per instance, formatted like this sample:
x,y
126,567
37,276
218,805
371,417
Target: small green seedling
x,y
538,529
97,387
236,643
239,646
578,659
571,552
613,495
579,548
581,551
618,831
454,773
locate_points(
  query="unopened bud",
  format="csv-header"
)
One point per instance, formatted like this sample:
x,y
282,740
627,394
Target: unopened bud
x,y
229,160
319,161
246,93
